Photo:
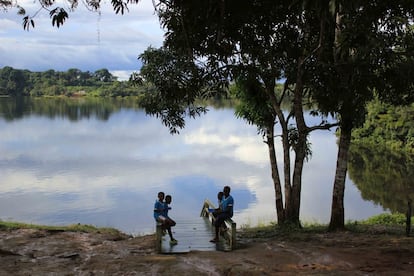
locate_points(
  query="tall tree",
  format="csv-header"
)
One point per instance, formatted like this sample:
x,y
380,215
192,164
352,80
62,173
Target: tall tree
x,y
254,107
103,75
209,44
362,41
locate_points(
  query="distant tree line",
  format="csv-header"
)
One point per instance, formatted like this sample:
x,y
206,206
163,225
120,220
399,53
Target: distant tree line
x,y
73,82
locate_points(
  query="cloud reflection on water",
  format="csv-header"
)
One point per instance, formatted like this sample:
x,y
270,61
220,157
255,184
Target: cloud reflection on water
x,y
108,173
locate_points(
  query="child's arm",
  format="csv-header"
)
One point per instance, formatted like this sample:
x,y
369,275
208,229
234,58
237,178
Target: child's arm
x,y
159,208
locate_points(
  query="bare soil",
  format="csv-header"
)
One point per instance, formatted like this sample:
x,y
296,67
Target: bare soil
x,y
42,252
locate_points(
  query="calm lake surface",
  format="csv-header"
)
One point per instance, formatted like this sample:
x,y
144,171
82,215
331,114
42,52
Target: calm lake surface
x,y
103,163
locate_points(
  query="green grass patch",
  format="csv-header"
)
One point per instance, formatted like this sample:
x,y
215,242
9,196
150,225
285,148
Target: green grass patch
x,y
10,225
387,224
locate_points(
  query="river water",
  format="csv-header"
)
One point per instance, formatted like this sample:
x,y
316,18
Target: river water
x,y
104,163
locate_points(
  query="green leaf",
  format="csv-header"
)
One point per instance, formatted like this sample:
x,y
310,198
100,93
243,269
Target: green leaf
x,y
21,10
27,21
58,15
47,3
119,6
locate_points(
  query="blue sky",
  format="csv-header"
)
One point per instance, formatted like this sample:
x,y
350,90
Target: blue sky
x,y
86,40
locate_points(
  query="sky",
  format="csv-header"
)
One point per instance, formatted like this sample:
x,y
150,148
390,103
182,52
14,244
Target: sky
x,y
86,41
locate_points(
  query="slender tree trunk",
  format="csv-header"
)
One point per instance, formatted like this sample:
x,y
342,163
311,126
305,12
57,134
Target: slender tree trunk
x,y
294,209
286,161
275,175
296,189
337,210
286,151
408,218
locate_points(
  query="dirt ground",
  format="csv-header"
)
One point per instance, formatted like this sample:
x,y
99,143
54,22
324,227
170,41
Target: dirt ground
x,y
40,252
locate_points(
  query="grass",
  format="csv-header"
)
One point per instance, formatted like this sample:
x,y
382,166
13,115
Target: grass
x,y
387,224
10,225
393,224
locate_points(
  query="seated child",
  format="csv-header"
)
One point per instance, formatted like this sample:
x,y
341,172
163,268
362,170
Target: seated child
x,y
161,215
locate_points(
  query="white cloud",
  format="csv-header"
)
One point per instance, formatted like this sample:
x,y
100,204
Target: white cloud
x,y
122,74
87,41
244,144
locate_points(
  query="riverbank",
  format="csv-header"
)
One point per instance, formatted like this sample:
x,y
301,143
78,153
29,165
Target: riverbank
x,y
374,251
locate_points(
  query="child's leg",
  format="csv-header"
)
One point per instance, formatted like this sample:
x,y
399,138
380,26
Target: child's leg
x,y
162,219
163,222
170,233
171,222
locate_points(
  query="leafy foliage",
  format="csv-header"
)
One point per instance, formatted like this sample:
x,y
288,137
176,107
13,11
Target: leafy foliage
x,y
5,4
388,126
386,219
253,105
119,6
333,52
58,16
179,82
27,22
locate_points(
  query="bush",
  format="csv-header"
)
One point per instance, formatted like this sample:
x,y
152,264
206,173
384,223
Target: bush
x,y
387,219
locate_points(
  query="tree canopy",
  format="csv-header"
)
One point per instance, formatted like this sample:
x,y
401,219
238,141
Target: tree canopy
x,y
334,53
387,126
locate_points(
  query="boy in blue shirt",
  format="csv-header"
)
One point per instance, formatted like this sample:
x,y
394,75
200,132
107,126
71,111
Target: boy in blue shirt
x,y
225,212
161,214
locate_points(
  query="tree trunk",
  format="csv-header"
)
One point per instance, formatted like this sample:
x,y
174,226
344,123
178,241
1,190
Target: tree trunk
x,y
275,175
337,209
408,219
296,189
286,154
294,208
